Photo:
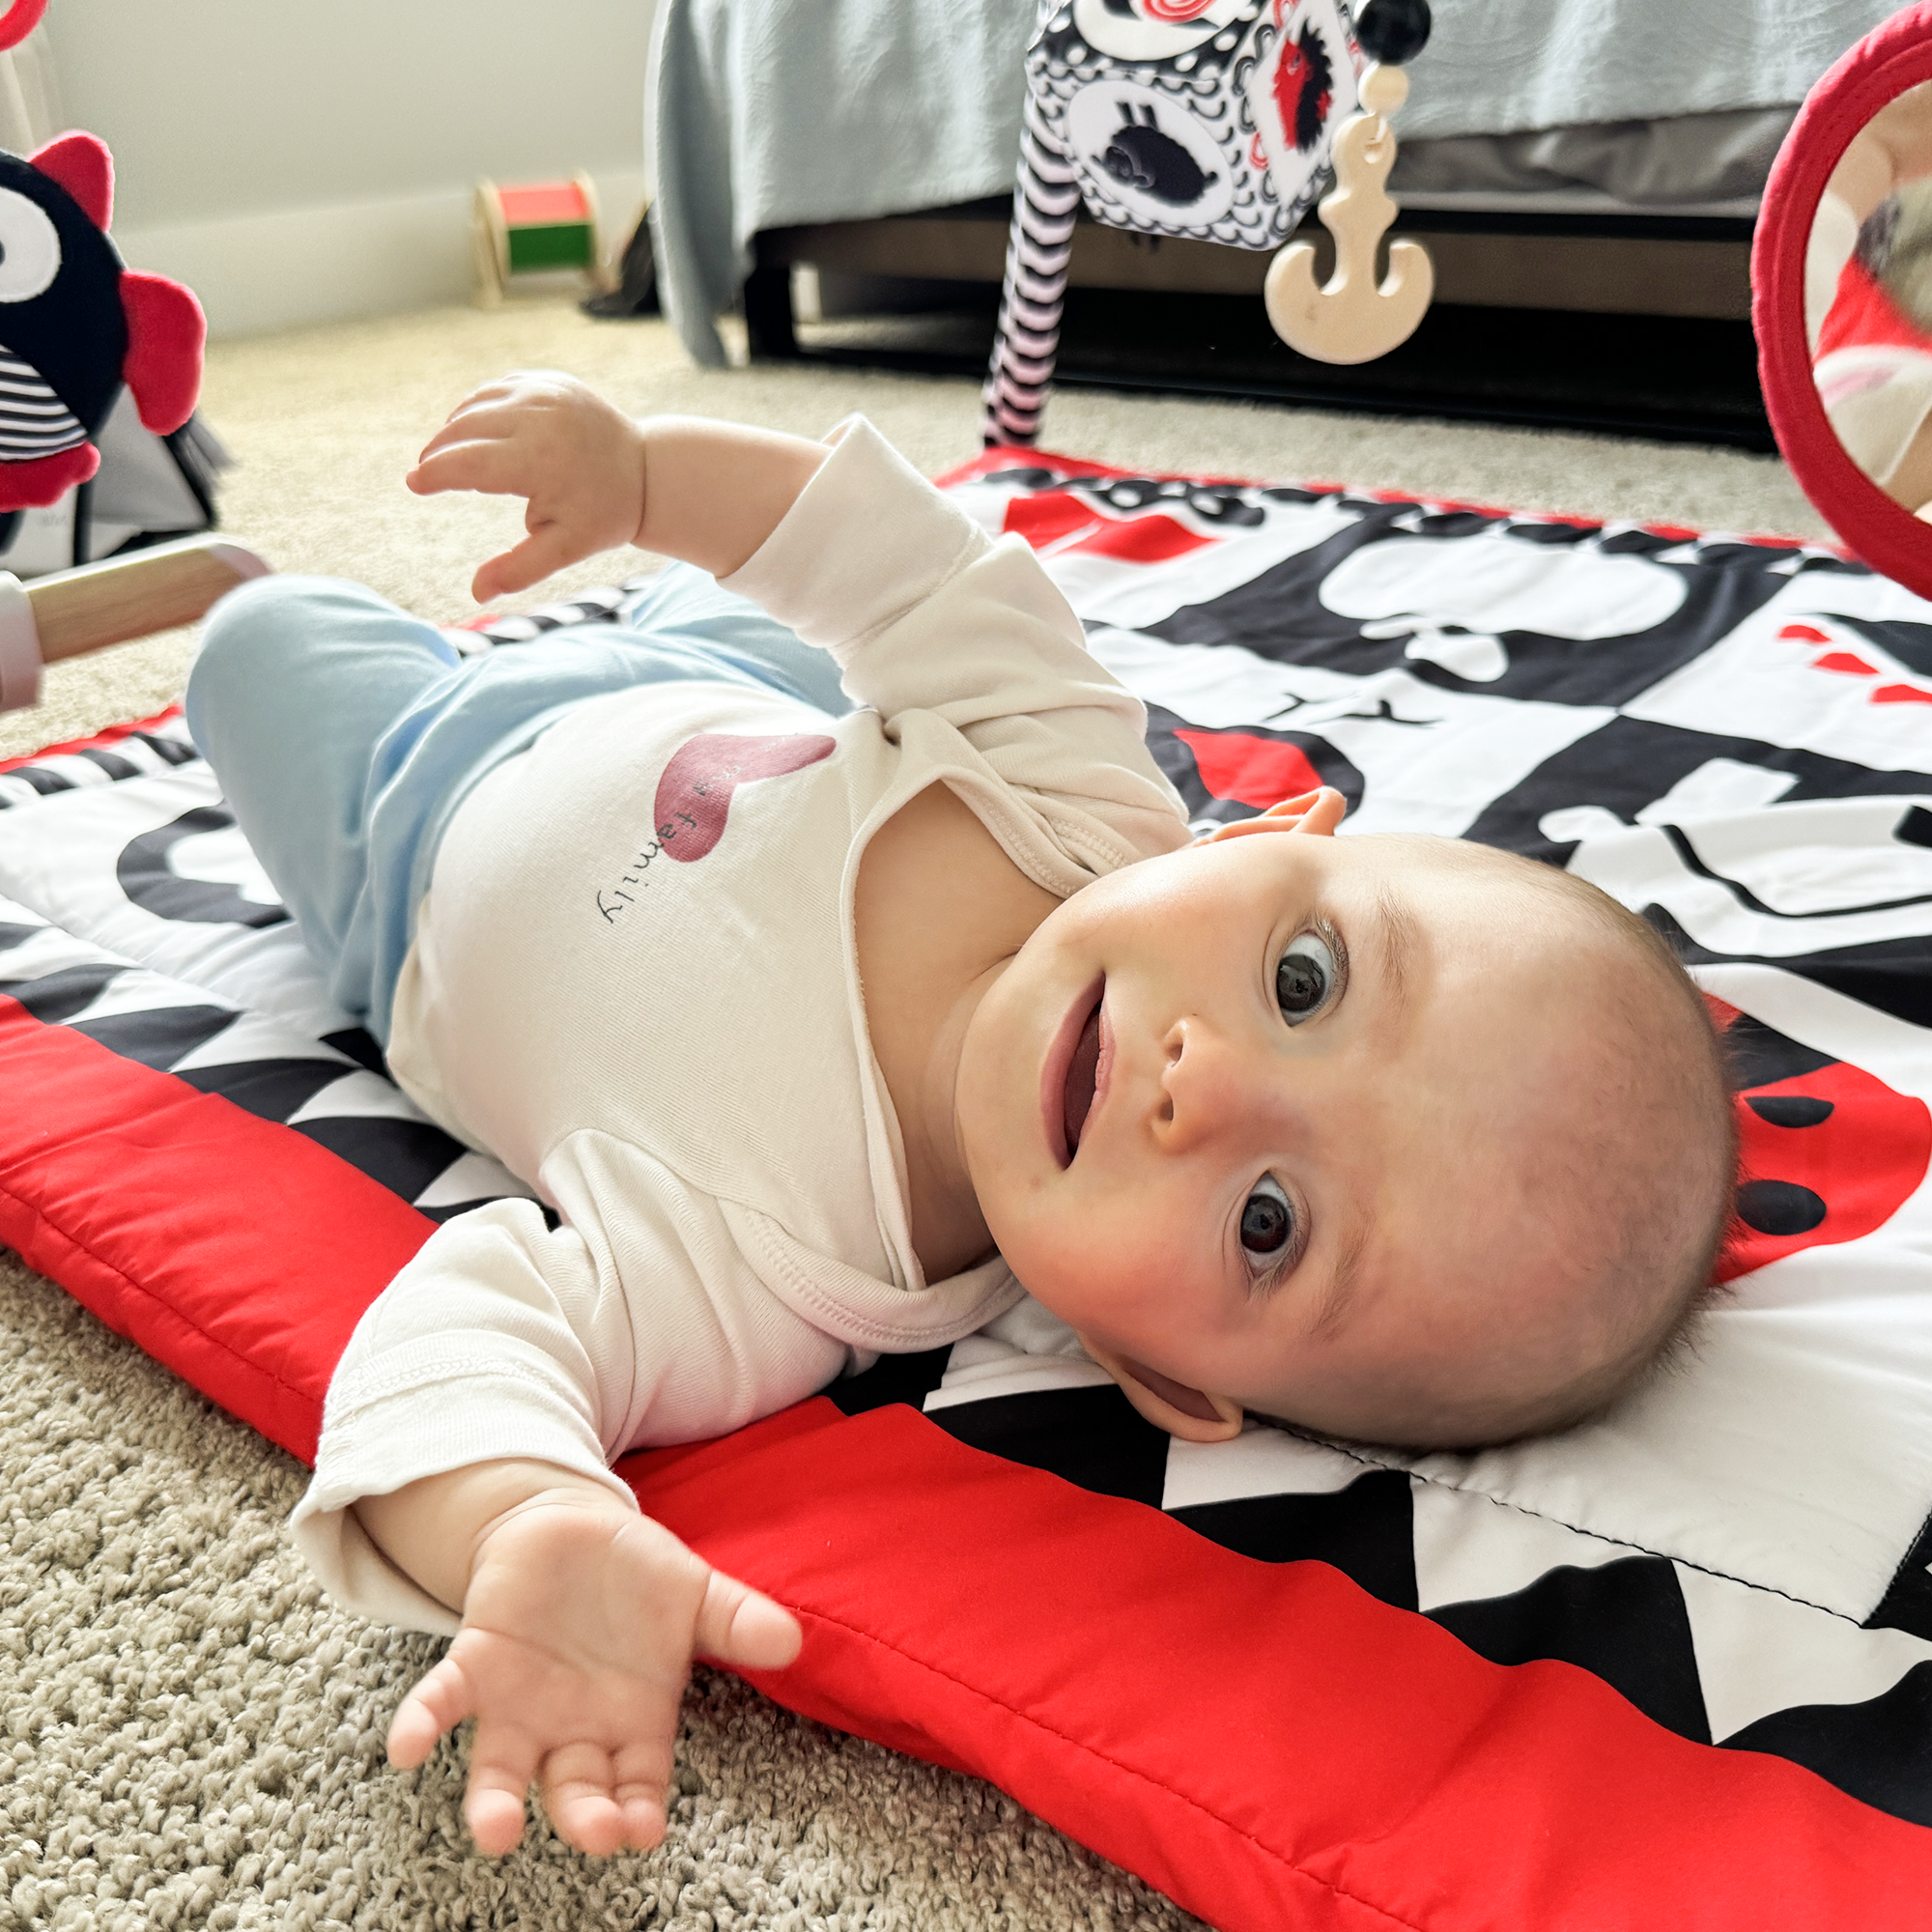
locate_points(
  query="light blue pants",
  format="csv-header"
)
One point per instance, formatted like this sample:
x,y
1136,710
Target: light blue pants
x,y
346,732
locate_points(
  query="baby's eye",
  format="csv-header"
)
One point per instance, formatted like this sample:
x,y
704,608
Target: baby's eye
x,y
1304,978
1267,1220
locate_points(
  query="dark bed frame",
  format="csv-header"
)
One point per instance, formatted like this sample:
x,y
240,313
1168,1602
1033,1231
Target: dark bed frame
x,y
1619,323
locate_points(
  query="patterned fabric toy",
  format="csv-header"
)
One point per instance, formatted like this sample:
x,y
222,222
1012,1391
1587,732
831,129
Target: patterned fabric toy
x,y
76,325
1208,119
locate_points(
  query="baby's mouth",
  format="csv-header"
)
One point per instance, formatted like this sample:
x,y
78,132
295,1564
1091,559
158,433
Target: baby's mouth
x,y
1074,1074
1080,1072
1087,1074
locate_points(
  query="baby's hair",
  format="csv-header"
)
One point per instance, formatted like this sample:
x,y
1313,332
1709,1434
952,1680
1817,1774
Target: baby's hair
x,y
1706,1100
1666,1235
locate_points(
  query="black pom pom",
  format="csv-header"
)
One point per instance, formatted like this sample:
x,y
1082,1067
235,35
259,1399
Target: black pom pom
x,y
1393,30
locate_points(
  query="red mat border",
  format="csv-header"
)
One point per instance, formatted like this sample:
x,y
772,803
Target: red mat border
x,y
1347,1764
98,740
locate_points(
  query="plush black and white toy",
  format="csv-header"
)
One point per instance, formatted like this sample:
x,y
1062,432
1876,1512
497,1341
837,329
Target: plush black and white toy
x,y
76,325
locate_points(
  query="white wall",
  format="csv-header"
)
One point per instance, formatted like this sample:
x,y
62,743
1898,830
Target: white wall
x,y
299,160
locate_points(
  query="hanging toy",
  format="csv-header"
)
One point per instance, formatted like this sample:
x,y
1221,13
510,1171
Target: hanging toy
x,y
20,21
75,325
1351,318
1199,120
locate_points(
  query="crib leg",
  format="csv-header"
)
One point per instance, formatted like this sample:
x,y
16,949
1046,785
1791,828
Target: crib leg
x,y
768,318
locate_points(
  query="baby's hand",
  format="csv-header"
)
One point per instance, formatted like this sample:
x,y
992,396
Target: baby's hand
x,y
579,1628
579,459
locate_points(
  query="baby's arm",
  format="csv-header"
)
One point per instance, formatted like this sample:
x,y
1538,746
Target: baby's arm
x,y
579,1620
464,1467
709,493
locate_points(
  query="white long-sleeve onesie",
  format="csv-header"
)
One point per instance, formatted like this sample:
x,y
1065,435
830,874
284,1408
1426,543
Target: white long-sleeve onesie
x,y
634,982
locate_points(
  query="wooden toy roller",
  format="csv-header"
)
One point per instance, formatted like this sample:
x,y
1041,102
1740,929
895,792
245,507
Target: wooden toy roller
x,y
529,230
73,612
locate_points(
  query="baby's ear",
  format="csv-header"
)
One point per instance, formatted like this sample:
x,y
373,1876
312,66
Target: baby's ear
x,y
1190,1413
1317,811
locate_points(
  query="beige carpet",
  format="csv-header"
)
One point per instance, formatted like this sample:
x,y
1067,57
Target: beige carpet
x,y
189,1735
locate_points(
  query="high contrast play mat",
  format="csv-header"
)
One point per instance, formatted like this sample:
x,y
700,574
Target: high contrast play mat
x,y
1674,1667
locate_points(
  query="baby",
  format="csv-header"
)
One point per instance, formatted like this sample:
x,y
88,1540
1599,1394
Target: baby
x,y
820,1020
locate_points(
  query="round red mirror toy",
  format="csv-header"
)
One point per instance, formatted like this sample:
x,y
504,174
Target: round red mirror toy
x,y
1841,278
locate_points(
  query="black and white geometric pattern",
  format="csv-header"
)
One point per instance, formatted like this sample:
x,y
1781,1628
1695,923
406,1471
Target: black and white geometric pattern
x,y
201,974
128,756
1712,1658
1735,737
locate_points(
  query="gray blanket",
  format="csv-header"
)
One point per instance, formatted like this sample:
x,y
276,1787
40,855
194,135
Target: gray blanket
x,y
1503,67
767,113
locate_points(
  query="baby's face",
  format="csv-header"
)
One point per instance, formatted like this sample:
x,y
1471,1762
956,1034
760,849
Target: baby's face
x,y
1257,1116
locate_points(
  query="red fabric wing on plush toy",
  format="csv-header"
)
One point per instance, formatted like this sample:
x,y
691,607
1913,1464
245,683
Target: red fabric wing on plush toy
x,y
76,325
20,21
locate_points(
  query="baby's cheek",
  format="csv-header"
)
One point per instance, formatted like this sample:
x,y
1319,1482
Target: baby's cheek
x,y
1044,1247
1124,1285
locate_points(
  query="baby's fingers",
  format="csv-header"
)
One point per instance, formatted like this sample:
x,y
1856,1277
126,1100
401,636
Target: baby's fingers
x,y
601,1807
544,550
502,1761
438,1704
736,1625
487,465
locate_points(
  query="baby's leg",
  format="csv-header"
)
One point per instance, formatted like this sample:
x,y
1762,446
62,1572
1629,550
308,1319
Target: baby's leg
x,y
307,698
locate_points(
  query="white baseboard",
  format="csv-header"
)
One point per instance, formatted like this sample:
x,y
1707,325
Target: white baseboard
x,y
292,266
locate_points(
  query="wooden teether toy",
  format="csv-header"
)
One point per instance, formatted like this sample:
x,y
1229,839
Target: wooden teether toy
x,y
1352,319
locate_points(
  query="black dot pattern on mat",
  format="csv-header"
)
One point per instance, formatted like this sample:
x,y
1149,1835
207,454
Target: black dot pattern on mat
x,y
1789,1110
1779,1207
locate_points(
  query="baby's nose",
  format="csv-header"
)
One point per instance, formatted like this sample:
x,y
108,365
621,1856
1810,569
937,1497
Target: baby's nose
x,y
1204,1086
